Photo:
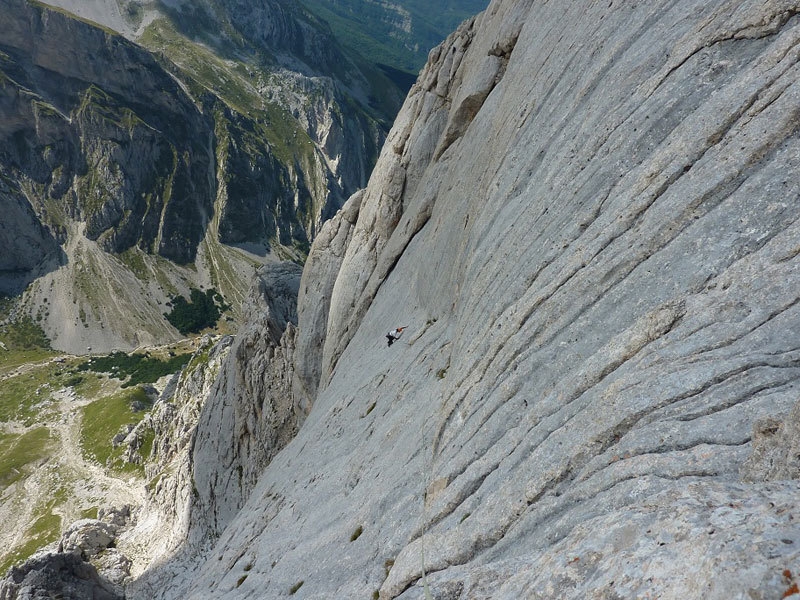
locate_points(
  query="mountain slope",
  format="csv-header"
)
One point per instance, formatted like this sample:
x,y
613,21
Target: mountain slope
x,y
584,216
136,176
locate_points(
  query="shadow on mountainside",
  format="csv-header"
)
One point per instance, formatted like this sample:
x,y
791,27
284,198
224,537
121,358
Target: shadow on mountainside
x,y
28,249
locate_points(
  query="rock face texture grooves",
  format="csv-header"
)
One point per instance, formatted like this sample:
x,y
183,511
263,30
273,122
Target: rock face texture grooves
x,y
587,216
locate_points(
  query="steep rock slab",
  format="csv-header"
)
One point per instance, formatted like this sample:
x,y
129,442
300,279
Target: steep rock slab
x,y
602,302
314,299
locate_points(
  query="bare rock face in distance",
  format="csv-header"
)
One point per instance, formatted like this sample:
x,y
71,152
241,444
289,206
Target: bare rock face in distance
x,y
217,425
128,178
587,217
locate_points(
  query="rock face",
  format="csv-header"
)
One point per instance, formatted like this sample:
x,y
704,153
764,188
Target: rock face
x,y
250,414
163,524
226,418
56,576
586,216
118,123
29,247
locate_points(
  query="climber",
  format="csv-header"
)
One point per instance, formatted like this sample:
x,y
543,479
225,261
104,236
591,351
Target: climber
x,y
394,335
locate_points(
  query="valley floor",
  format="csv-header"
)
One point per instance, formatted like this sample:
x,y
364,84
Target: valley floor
x,y
57,462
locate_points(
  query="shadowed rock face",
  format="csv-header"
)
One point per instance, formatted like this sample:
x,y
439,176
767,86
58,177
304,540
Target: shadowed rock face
x,y
236,441
100,133
103,134
29,248
587,217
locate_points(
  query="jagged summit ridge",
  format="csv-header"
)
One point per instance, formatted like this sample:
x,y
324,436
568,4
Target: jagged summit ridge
x,y
586,215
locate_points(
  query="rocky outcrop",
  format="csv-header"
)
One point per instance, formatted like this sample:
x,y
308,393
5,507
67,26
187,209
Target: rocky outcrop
x,y
56,576
313,301
229,415
87,538
85,565
585,217
250,414
164,522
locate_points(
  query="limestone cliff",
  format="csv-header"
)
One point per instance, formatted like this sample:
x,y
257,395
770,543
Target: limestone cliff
x,y
229,414
587,216
237,440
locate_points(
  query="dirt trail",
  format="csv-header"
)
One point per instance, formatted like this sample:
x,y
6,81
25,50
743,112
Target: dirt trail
x,y
89,476
28,367
65,479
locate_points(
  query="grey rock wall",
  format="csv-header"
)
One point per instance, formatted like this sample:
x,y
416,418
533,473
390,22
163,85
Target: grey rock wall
x,y
162,525
29,248
250,413
227,416
313,300
587,216
62,575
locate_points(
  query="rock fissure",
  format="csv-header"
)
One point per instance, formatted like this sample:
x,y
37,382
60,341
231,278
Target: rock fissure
x,y
760,32
786,385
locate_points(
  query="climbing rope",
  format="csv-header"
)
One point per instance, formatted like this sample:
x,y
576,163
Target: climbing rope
x,y
427,480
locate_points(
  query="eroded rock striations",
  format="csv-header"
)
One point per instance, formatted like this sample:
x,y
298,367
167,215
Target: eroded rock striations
x,y
586,215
